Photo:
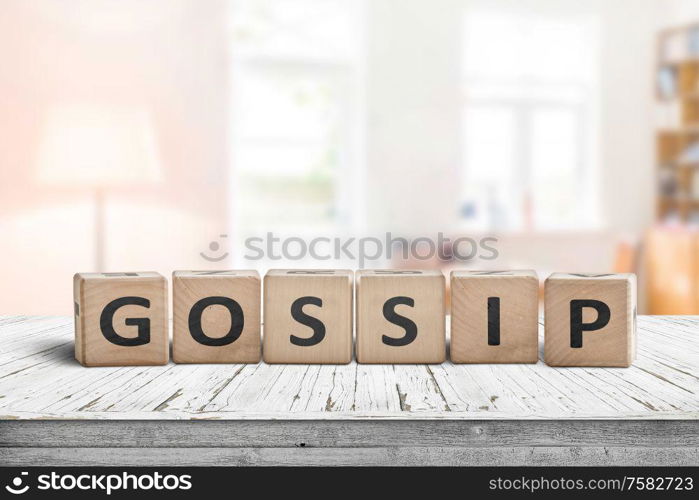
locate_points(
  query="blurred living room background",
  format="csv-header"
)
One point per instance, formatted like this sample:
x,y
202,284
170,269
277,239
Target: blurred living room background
x,y
159,135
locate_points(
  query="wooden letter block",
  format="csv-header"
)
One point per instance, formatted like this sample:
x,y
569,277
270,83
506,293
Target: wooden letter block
x,y
216,317
308,316
494,317
590,319
121,319
400,317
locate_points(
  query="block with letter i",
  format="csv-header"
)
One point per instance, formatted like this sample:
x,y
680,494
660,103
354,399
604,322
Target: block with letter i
x,y
216,317
590,320
494,317
400,316
308,316
120,319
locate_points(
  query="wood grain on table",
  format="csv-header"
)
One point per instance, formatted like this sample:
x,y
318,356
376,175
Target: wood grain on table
x,y
427,414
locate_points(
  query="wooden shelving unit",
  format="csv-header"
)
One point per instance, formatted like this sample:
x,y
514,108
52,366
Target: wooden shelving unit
x,y
677,137
671,247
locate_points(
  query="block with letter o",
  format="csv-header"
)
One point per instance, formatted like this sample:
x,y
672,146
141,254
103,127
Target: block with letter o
x,y
216,317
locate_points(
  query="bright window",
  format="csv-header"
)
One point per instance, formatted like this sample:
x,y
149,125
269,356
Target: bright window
x,y
295,86
529,122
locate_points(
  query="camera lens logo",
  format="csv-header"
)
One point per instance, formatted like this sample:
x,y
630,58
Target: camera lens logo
x,y
16,487
214,246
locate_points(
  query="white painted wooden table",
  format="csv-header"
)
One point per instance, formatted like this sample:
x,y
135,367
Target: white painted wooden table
x,y
53,411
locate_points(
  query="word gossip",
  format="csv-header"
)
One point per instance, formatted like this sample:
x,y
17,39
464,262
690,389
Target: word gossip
x,y
382,316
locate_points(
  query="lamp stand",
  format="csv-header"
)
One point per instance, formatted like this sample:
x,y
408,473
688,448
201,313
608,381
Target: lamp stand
x,y
99,230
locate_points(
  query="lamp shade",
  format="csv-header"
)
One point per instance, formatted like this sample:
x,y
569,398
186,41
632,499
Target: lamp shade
x,y
88,145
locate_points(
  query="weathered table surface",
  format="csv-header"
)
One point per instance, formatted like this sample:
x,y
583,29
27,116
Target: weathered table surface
x,y
53,411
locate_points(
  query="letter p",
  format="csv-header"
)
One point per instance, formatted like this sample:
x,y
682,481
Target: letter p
x,y
577,327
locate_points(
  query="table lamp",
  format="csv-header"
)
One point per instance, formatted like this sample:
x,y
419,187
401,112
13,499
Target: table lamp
x,y
97,147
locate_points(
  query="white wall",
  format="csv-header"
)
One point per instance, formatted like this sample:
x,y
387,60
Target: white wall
x,y
670,13
413,113
627,106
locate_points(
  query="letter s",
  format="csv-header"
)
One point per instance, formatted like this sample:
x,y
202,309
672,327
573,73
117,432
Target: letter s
x,y
303,318
493,251
259,253
44,483
185,482
389,312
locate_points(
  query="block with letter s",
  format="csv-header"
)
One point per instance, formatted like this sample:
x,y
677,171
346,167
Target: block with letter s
x,y
400,316
308,316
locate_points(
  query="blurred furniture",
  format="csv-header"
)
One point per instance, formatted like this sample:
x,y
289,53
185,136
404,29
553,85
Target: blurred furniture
x,y
677,139
671,266
671,257
97,147
55,412
626,257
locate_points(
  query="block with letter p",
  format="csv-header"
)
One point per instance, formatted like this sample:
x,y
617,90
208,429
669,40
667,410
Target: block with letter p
x,y
120,319
400,316
216,317
495,317
590,320
308,316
